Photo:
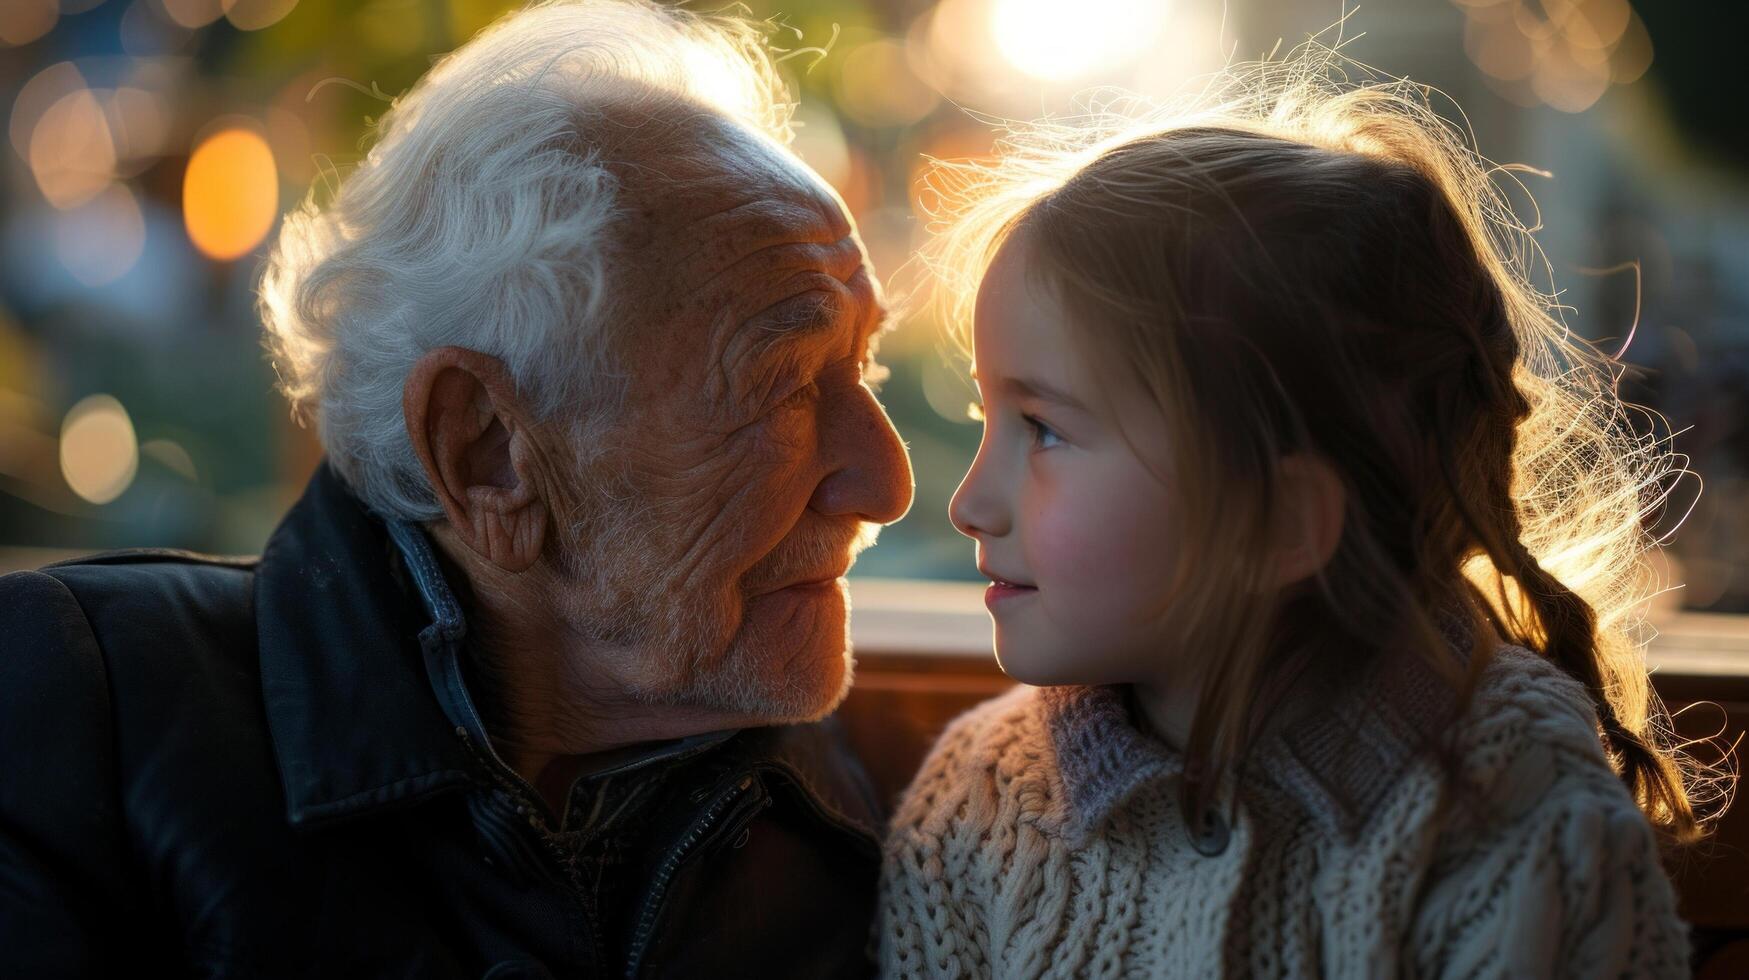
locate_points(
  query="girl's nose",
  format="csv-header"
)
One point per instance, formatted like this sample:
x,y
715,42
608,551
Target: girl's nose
x,y
978,508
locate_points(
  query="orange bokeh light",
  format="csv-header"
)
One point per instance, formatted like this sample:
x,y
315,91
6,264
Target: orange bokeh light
x,y
23,21
230,194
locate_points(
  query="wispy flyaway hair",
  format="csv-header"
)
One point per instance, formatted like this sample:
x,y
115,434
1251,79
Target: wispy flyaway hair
x,y
1304,257
484,215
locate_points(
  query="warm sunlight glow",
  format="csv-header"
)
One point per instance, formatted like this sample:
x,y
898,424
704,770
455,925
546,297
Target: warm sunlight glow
x,y
230,195
820,143
99,455
1058,42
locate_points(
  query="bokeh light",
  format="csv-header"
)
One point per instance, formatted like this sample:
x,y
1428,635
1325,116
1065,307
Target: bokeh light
x,y
146,30
172,456
253,15
289,138
877,86
133,238
34,98
1059,42
383,24
1564,54
99,454
193,13
820,143
948,47
23,21
230,193
139,127
101,239
1566,83
72,155
1631,58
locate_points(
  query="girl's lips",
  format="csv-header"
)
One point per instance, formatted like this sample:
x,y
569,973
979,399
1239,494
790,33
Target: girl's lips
x,y
1006,591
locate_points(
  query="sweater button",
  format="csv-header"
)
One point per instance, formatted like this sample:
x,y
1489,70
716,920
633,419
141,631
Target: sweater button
x,y
1211,839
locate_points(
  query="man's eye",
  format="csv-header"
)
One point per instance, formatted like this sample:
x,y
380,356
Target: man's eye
x,y
801,396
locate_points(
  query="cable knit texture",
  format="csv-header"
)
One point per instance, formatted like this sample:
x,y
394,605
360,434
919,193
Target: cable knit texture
x,y
1043,838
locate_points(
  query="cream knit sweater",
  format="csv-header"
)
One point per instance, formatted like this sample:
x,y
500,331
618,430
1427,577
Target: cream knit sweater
x,y
1042,838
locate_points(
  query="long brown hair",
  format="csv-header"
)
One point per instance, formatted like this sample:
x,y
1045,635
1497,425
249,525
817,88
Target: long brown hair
x,y
1294,262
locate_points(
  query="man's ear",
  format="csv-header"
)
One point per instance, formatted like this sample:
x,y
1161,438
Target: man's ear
x,y
1307,522
471,436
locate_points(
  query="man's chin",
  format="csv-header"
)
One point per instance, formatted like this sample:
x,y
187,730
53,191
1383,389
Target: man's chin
x,y
791,660
803,688
846,662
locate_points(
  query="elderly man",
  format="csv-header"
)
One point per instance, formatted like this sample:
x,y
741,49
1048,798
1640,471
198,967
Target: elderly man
x,y
521,685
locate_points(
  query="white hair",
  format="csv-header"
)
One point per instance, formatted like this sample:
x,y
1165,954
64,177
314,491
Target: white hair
x,y
482,217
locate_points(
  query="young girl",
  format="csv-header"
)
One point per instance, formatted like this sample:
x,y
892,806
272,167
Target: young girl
x,y
1322,537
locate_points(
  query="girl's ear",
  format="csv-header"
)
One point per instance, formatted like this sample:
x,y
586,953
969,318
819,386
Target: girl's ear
x,y
1307,521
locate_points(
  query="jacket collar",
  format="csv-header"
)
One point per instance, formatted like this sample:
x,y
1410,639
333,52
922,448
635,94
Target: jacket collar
x,y
358,720
1337,761
362,677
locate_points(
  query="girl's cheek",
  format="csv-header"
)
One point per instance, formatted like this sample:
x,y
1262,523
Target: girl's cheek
x,y
1065,544
1104,556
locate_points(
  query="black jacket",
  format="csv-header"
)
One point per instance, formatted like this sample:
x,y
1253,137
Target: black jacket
x,y
271,767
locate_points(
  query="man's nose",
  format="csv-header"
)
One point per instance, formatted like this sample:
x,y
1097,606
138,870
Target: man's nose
x,y
868,472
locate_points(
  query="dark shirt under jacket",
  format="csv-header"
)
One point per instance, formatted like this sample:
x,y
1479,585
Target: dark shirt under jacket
x,y
272,767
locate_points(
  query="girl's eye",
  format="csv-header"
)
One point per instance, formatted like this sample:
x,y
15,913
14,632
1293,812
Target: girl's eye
x,y
1043,436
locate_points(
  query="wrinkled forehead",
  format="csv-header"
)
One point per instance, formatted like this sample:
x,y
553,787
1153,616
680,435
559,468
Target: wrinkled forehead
x,y
699,187
717,221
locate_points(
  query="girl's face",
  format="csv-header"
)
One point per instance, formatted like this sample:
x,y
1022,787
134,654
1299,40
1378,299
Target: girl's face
x,y
1072,527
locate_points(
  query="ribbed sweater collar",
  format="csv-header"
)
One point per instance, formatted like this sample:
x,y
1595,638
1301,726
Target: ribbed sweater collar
x,y
1337,762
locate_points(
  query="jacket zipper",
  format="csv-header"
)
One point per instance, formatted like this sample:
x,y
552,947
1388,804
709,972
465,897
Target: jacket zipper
x,y
665,874
522,791
568,874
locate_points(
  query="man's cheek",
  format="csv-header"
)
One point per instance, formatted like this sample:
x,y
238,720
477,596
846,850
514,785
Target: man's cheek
x,y
775,474
785,439
700,482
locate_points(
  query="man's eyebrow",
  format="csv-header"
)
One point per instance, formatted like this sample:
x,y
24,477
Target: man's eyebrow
x,y
1038,389
797,319
801,320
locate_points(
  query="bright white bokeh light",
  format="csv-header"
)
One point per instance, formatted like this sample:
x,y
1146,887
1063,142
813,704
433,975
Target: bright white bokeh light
x,y
1055,41
99,455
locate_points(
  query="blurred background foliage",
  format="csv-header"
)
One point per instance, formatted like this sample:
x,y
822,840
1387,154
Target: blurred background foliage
x,y
153,145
